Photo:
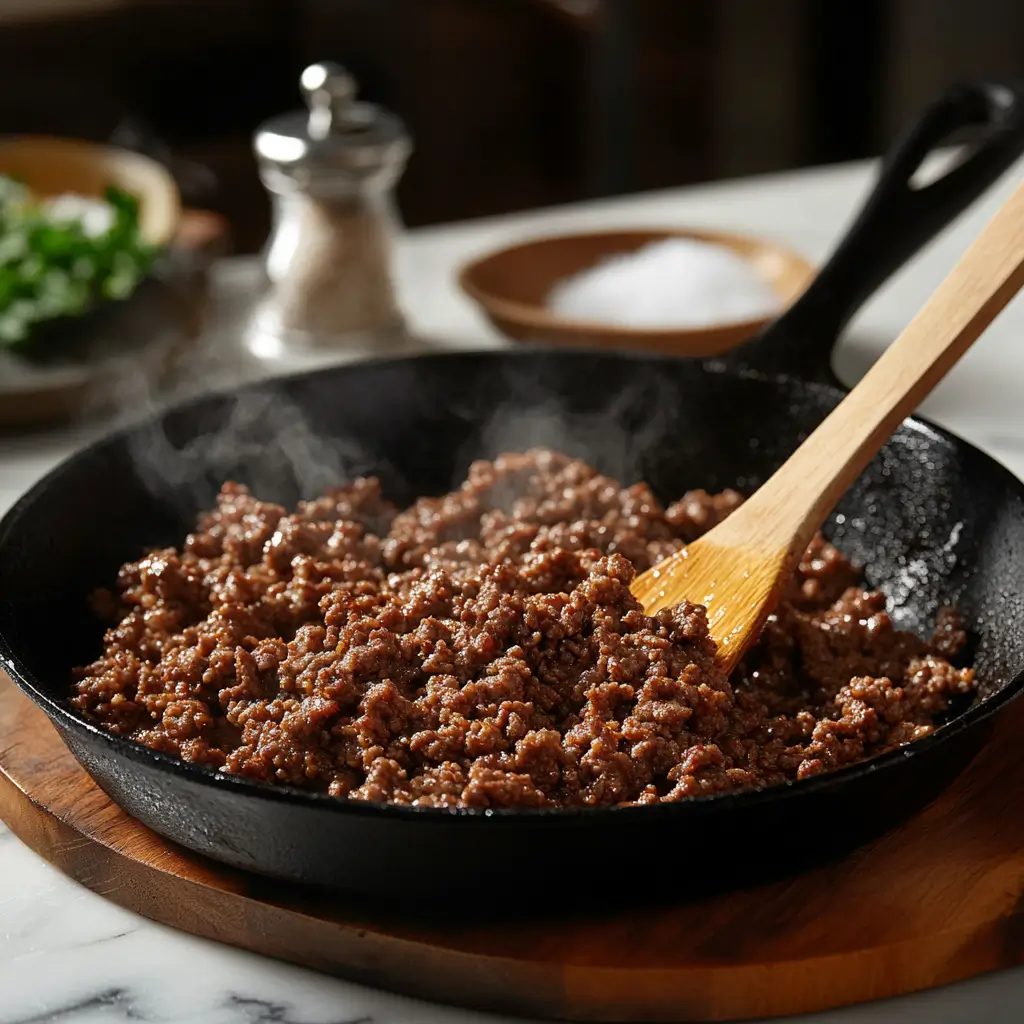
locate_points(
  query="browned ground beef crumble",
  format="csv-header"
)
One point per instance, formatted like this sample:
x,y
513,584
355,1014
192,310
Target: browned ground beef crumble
x,y
483,650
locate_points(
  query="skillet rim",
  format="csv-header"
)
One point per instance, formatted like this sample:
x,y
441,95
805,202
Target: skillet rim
x,y
66,719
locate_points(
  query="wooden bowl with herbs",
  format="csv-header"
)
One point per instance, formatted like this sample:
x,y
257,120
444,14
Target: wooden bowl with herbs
x,y
80,225
84,232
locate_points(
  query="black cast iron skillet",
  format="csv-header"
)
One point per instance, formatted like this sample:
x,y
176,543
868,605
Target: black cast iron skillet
x,y
933,520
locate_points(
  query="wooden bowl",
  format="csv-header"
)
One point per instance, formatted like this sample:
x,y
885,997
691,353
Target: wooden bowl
x,y
106,356
511,286
90,354
50,166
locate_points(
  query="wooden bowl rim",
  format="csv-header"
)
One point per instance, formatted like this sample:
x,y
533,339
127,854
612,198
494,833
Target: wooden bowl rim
x,y
160,198
540,318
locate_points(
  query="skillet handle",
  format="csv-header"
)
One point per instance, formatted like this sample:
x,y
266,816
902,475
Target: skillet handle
x,y
896,220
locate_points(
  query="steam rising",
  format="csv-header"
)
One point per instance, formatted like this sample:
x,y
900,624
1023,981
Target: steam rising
x,y
264,441
284,446
619,436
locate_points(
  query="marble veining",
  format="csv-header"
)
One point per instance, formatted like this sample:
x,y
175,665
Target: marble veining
x,y
69,955
120,1003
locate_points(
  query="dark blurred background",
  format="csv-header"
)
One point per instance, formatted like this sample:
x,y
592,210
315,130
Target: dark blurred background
x,y
512,103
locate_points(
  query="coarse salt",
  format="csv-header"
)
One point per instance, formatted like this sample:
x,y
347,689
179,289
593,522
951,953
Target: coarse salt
x,y
679,282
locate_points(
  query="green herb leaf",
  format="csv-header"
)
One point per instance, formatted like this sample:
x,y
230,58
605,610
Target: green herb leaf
x,y
51,269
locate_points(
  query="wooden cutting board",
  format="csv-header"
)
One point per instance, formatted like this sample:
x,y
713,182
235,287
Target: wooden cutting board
x,y
937,900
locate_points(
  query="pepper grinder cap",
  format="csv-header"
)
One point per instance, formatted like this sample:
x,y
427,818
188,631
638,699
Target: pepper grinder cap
x,y
336,135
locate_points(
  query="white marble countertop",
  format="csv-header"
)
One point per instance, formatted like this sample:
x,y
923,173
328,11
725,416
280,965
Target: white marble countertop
x,y
68,955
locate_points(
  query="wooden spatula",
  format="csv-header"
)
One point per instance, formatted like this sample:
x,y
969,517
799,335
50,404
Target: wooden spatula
x,y
739,569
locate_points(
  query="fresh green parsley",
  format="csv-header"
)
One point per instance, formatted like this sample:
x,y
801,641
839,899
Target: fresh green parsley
x,y
63,257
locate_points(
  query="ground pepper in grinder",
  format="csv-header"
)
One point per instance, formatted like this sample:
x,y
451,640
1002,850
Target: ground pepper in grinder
x,y
331,172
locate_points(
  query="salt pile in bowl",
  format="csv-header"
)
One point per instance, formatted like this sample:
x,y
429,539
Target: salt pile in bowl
x,y
679,282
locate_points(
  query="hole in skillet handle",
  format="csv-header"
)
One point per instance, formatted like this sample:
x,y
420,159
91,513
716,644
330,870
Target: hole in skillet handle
x,y
906,209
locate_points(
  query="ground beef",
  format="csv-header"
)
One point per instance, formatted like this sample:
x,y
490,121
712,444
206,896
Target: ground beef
x,y
483,649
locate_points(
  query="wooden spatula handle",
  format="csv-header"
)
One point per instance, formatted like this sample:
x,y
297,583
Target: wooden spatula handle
x,y
815,477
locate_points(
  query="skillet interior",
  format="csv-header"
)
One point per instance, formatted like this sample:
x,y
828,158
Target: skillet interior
x,y
933,520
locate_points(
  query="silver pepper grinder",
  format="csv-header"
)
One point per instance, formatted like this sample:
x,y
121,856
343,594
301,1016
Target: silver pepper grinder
x,y
331,172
